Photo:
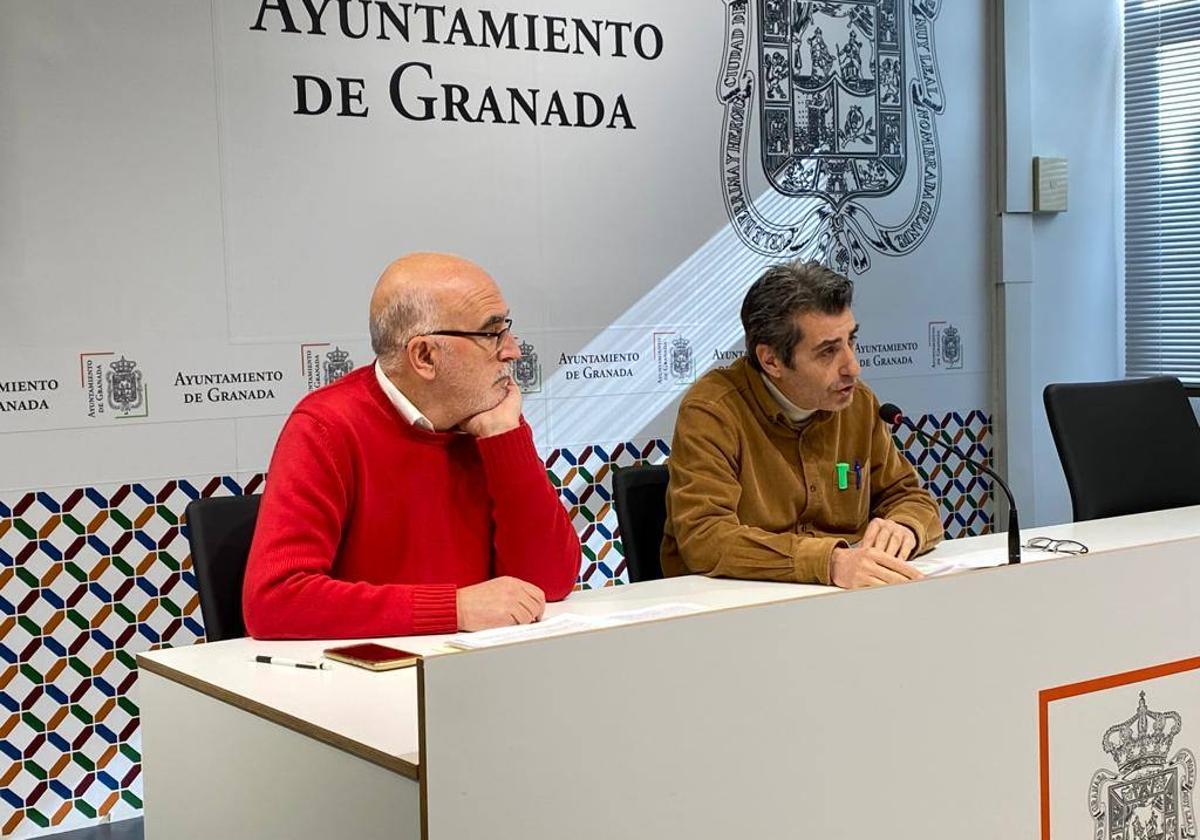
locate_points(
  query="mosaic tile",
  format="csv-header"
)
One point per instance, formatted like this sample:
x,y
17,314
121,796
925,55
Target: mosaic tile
x,y
87,580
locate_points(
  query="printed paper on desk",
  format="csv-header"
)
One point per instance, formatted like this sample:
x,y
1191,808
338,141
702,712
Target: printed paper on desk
x,y
564,624
931,567
557,626
934,566
651,613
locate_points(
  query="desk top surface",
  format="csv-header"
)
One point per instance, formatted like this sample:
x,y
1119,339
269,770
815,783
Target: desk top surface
x,y
375,715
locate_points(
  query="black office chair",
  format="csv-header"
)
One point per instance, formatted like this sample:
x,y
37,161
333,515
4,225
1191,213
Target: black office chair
x,y
219,531
1129,446
640,493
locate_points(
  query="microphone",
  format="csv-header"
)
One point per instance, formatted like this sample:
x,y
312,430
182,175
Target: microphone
x,y
893,416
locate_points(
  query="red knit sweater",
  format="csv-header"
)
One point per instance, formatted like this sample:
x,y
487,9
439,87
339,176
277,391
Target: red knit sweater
x,y
369,525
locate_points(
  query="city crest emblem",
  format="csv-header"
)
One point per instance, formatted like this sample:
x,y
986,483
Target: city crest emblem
x,y
681,359
835,116
946,344
1150,796
125,389
526,370
337,364
952,347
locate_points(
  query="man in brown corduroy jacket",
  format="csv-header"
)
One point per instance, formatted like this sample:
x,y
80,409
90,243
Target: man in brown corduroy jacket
x,y
780,466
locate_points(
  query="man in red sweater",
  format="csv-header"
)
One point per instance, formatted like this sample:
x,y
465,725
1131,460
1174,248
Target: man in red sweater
x,y
407,497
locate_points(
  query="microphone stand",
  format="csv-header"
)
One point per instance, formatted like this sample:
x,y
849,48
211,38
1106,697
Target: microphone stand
x,y
1014,529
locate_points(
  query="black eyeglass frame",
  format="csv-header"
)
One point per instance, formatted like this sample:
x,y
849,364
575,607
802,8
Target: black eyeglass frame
x,y
496,335
1054,546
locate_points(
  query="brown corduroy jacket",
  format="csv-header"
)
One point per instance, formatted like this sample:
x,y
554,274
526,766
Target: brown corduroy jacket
x,y
755,496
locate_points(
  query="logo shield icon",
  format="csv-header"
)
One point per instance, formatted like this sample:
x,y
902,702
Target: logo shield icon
x,y
337,364
125,391
832,111
526,370
838,115
1150,795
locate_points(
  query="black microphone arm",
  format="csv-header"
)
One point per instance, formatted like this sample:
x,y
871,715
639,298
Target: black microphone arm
x,y
892,415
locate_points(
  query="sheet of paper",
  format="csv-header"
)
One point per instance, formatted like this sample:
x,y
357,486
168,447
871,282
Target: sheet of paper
x,y
651,613
932,565
565,623
556,626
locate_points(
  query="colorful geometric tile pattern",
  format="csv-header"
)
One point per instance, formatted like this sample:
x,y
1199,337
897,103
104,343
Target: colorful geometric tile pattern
x,y
965,498
92,576
584,483
87,581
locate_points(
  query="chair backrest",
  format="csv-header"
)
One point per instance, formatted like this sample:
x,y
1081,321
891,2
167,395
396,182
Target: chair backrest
x,y
1128,446
640,493
219,531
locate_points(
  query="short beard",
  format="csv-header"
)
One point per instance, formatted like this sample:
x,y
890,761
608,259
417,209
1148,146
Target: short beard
x,y
471,404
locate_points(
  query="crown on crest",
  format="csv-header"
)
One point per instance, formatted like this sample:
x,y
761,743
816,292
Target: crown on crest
x,y
123,366
1144,740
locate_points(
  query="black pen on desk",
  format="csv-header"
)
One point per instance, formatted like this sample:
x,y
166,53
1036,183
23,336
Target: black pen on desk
x,y
291,663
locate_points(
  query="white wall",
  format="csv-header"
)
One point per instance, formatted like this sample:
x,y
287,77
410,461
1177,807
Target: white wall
x,y
189,222
1077,259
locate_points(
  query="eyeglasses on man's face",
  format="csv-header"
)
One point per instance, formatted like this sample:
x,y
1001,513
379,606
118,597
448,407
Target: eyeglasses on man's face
x,y
497,337
1056,546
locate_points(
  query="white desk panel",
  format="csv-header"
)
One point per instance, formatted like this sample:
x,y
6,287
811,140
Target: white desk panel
x,y
375,717
908,711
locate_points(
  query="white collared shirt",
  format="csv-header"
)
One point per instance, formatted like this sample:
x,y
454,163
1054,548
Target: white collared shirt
x,y
792,411
402,403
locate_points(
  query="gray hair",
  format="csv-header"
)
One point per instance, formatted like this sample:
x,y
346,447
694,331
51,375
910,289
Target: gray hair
x,y
782,292
409,313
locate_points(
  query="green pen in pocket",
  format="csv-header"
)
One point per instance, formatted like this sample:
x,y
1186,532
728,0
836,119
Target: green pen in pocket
x,y
843,475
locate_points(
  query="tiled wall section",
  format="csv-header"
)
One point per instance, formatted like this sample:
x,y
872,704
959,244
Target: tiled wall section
x,y
91,576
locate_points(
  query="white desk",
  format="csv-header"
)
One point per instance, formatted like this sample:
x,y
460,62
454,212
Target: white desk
x,y
780,708
1098,535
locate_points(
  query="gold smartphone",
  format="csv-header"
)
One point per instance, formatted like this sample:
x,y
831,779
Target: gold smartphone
x,y
372,656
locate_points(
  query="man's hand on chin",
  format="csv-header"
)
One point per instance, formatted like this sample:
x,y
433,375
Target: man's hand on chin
x,y
496,421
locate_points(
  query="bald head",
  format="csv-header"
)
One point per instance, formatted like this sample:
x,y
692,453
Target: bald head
x,y
418,291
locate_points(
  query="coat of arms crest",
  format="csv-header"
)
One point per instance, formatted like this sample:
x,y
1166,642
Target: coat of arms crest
x,y
1150,796
946,344
125,391
337,364
835,118
681,359
526,370
952,347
